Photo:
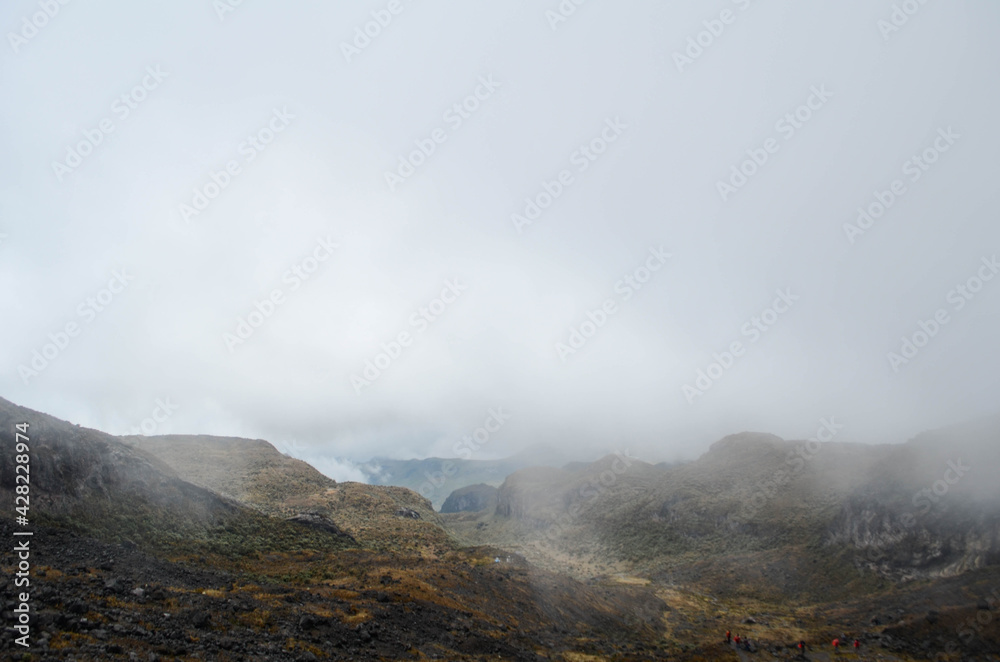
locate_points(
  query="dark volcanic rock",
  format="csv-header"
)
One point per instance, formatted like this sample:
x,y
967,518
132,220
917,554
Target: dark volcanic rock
x,y
201,619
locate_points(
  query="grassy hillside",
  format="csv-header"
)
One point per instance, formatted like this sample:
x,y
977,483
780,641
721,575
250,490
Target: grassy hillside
x,y
179,548
254,473
130,559
251,471
91,483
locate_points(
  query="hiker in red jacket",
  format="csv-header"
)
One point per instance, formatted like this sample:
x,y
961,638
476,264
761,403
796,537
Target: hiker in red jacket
x,y
737,641
836,645
802,647
729,637
857,645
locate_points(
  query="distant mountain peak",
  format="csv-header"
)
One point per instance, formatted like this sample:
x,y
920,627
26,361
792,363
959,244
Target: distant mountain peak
x,y
747,442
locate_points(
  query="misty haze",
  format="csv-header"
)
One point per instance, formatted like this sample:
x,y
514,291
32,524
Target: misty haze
x,y
566,330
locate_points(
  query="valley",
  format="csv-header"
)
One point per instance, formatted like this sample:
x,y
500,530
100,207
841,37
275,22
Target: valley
x,y
194,547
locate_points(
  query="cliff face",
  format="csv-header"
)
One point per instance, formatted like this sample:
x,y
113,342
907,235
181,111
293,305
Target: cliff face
x,y
926,508
472,498
536,494
906,543
931,508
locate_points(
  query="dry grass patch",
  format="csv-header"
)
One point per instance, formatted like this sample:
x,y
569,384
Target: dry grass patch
x,y
356,616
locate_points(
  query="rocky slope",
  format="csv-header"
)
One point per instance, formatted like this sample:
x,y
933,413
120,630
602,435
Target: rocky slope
x,y
138,553
255,474
926,508
931,508
98,601
863,515
132,561
896,544
93,483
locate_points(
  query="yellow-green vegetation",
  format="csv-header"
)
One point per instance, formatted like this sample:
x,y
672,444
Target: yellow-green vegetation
x,y
251,471
255,474
180,548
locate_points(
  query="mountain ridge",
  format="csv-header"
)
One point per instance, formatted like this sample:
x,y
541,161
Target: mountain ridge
x,y
225,544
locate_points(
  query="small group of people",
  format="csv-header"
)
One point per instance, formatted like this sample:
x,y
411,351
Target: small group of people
x,y
741,642
837,643
744,642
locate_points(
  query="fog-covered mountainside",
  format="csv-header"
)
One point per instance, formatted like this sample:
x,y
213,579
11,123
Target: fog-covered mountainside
x,y
905,535
929,507
93,483
248,470
182,547
223,548
471,498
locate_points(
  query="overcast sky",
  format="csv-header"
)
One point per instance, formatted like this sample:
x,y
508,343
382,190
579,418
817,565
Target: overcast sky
x,y
128,252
